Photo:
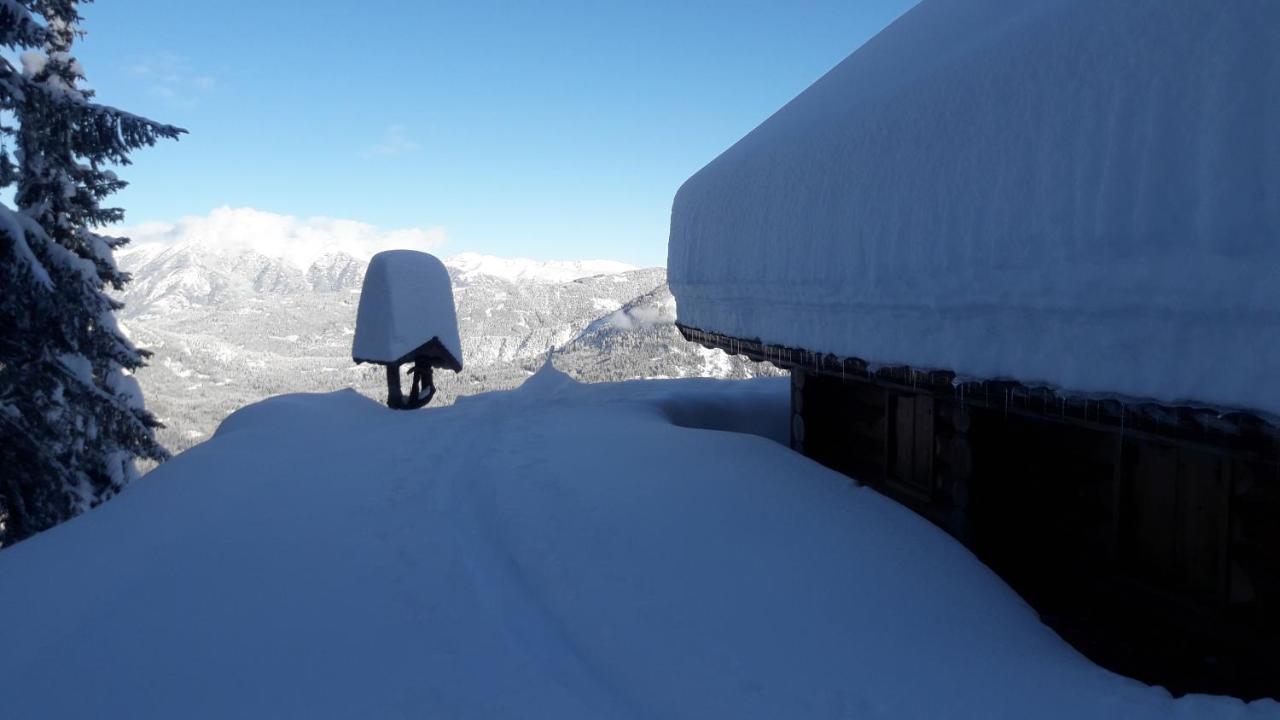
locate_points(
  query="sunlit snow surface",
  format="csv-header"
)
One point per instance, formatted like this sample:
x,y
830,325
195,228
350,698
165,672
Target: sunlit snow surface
x,y
558,551
1084,193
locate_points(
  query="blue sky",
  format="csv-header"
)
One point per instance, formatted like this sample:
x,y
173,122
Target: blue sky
x,y
539,129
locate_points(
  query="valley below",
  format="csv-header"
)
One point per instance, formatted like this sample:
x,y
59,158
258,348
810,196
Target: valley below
x,y
229,327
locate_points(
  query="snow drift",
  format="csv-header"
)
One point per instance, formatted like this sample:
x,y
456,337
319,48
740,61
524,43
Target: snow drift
x,y
1082,193
556,551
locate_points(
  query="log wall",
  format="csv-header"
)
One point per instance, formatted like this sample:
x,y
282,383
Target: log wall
x,y
1146,535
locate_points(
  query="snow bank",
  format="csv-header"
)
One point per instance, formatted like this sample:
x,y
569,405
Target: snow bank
x,y
406,301
557,551
1083,193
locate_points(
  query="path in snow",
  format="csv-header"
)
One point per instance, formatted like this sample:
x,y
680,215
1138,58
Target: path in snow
x,y
561,550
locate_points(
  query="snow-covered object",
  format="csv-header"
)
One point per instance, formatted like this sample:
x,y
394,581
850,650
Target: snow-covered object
x,y
558,551
1081,193
405,303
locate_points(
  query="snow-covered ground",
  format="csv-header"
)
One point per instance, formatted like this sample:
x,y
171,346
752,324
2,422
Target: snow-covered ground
x,y
557,551
1080,193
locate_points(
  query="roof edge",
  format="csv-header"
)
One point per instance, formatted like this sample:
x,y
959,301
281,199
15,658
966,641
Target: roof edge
x,y
1215,426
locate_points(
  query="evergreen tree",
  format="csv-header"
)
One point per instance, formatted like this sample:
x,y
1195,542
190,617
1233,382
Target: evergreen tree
x,y
71,418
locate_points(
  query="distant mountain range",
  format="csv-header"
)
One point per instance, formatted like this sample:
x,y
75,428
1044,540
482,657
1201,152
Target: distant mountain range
x,y
230,325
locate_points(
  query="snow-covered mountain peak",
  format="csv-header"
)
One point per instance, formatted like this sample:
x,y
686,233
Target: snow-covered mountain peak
x,y
299,242
324,253
523,270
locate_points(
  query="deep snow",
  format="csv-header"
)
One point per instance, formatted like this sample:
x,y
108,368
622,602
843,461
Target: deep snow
x,y
556,551
1081,193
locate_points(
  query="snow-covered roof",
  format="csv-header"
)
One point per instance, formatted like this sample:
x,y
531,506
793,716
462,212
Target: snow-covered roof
x,y
1082,193
405,303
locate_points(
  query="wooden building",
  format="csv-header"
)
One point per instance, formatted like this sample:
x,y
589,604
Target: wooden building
x,y
1022,259
1145,534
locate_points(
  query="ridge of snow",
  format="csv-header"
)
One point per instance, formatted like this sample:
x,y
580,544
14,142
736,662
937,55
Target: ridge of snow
x,y
471,264
228,232
298,241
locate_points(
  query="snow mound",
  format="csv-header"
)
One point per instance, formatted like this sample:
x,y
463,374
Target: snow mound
x,y
547,381
406,302
524,555
1081,193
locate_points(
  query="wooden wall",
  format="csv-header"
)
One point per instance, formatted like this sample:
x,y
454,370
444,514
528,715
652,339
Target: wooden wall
x,y
1154,549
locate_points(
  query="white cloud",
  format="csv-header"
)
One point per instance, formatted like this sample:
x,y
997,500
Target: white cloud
x,y
172,80
644,316
297,240
394,143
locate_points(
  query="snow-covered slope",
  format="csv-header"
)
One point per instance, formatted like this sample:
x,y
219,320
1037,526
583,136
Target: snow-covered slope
x,y
1083,193
560,551
640,340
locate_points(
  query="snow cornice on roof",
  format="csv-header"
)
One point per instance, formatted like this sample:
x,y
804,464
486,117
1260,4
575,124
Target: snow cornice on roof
x,y
1079,194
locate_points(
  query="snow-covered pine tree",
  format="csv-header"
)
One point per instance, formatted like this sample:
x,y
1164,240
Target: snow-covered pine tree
x,y
71,418
26,439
